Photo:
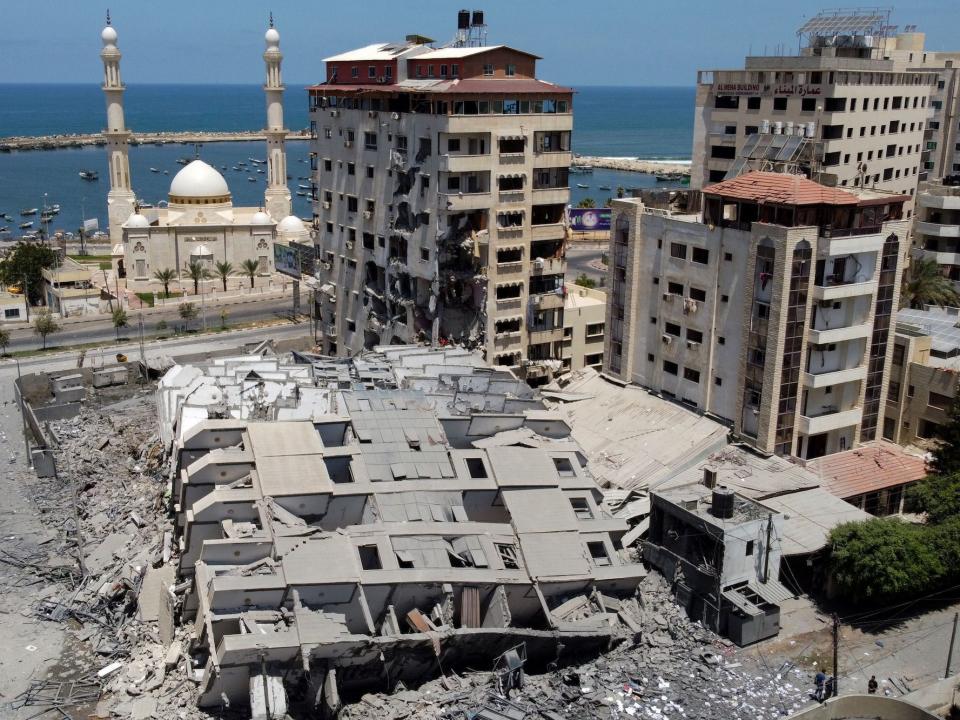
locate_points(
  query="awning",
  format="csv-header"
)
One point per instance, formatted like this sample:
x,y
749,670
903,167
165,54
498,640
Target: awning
x,y
510,283
512,175
509,246
772,591
513,135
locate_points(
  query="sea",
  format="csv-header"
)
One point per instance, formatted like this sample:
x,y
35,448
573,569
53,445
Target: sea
x,y
651,123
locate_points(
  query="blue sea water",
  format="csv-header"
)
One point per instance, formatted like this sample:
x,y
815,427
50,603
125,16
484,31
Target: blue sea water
x,y
610,121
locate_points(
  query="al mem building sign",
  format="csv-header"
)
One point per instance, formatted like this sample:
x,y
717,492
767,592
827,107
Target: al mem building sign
x,y
797,90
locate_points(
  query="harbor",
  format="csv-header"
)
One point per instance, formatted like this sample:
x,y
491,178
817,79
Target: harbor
x,y
637,165
80,140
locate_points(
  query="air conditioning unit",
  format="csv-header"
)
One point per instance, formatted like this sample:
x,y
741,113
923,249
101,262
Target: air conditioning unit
x,y
668,296
667,339
692,344
348,143
381,79
334,113
326,204
367,214
372,113
396,116
326,266
537,299
348,245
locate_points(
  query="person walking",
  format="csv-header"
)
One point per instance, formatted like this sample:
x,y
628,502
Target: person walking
x,y
819,681
872,685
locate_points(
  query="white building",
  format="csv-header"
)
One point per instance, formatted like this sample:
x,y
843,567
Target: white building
x,y
200,222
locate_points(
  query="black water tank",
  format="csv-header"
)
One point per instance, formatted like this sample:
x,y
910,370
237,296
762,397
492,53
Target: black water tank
x,y
477,18
463,20
722,506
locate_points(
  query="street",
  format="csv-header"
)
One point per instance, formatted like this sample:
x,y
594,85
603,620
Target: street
x,y
579,259
99,328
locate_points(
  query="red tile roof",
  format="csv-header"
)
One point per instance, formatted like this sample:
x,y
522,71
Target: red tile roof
x,y
780,189
871,467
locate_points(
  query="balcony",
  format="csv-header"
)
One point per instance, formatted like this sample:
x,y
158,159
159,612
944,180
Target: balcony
x,y
509,304
829,420
456,202
931,199
552,231
510,196
842,290
562,158
513,232
937,230
835,335
545,336
551,196
819,380
463,163
547,266
509,268
516,158
507,340
943,258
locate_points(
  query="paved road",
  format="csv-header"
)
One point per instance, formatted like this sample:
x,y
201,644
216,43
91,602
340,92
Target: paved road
x,y
100,328
579,257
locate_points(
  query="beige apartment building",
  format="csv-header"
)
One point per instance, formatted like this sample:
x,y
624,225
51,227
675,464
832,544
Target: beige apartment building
x,y
441,184
768,305
860,98
923,376
936,227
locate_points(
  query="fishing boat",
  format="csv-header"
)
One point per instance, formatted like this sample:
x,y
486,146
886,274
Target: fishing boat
x,y
6,216
183,161
28,211
581,185
4,228
154,170
26,225
89,175
604,187
303,187
260,171
55,209
146,205
235,168
166,172
581,169
256,162
301,193
668,176
251,179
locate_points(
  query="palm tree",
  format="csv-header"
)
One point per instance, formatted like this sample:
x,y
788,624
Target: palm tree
x,y
250,268
587,203
120,319
197,271
923,284
223,271
166,276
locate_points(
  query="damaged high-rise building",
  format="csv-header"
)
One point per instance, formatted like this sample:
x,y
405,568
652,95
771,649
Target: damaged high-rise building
x,y
353,524
440,182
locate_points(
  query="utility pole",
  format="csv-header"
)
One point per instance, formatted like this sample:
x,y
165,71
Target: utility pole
x,y
836,655
18,387
26,299
143,357
953,637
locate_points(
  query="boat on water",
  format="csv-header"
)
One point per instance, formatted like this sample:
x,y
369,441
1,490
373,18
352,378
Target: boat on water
x,y
251,179
145,206
25,225
6,216
89,175
4,228
604,187
183,161
154,170
581,185
303,187
235,168
301,193
166,172
260,171
669,176
257,162
581,169
28,211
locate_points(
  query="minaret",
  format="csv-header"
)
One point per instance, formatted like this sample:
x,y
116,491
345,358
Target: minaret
x,y
277,196
120,199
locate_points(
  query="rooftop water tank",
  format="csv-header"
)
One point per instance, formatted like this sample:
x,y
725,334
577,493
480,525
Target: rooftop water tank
x,y
722,505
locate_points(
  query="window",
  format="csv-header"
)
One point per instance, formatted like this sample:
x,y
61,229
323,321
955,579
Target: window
x,y
718,381
780,103
694,335
351,203
371,71
351,168
511,70
674,288
488,69
369,557
370,141
728,256
937,400
454,70
354,71
698,294
453,145
723,152
726,102
598,552
564,467
425,254
650,357
672,329
370,171
508,555
701,255
670,367
753,103
443,71
808,104
749,550
476,468
594,329
724,298
910,391
898,352
388,71
11,313
721,340
678,250
893,392
691,375
581,508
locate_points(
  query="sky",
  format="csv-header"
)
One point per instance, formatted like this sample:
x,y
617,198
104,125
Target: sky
x,y
606,42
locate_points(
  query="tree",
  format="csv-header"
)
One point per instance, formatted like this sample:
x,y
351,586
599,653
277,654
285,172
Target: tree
x,y
938,496
946,456
24,265
120,319
223,271
188,311
197,271
250,268
924,285
45,324
4,340
621,192
162,327
886,558
166,276
584,281
586,203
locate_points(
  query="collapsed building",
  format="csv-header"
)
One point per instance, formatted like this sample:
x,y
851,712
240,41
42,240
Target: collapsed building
x,y
347,524
440,182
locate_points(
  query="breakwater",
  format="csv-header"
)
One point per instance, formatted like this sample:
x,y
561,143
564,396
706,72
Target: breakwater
x,y
58,142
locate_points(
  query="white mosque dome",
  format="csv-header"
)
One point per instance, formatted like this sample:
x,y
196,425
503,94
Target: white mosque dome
x,y
261,218
109,36
291,224
272,37
199,181
136,220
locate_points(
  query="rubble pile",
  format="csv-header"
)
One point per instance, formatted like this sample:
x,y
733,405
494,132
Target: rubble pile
x,y
674,668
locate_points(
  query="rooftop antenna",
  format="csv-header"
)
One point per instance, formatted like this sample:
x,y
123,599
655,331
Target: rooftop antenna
x,y
108,16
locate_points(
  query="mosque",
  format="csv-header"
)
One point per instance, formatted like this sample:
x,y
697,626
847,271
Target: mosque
x,y
200,222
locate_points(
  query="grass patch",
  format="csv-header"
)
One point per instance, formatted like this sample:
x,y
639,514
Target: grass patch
x,y
91,258
147,298
106,266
